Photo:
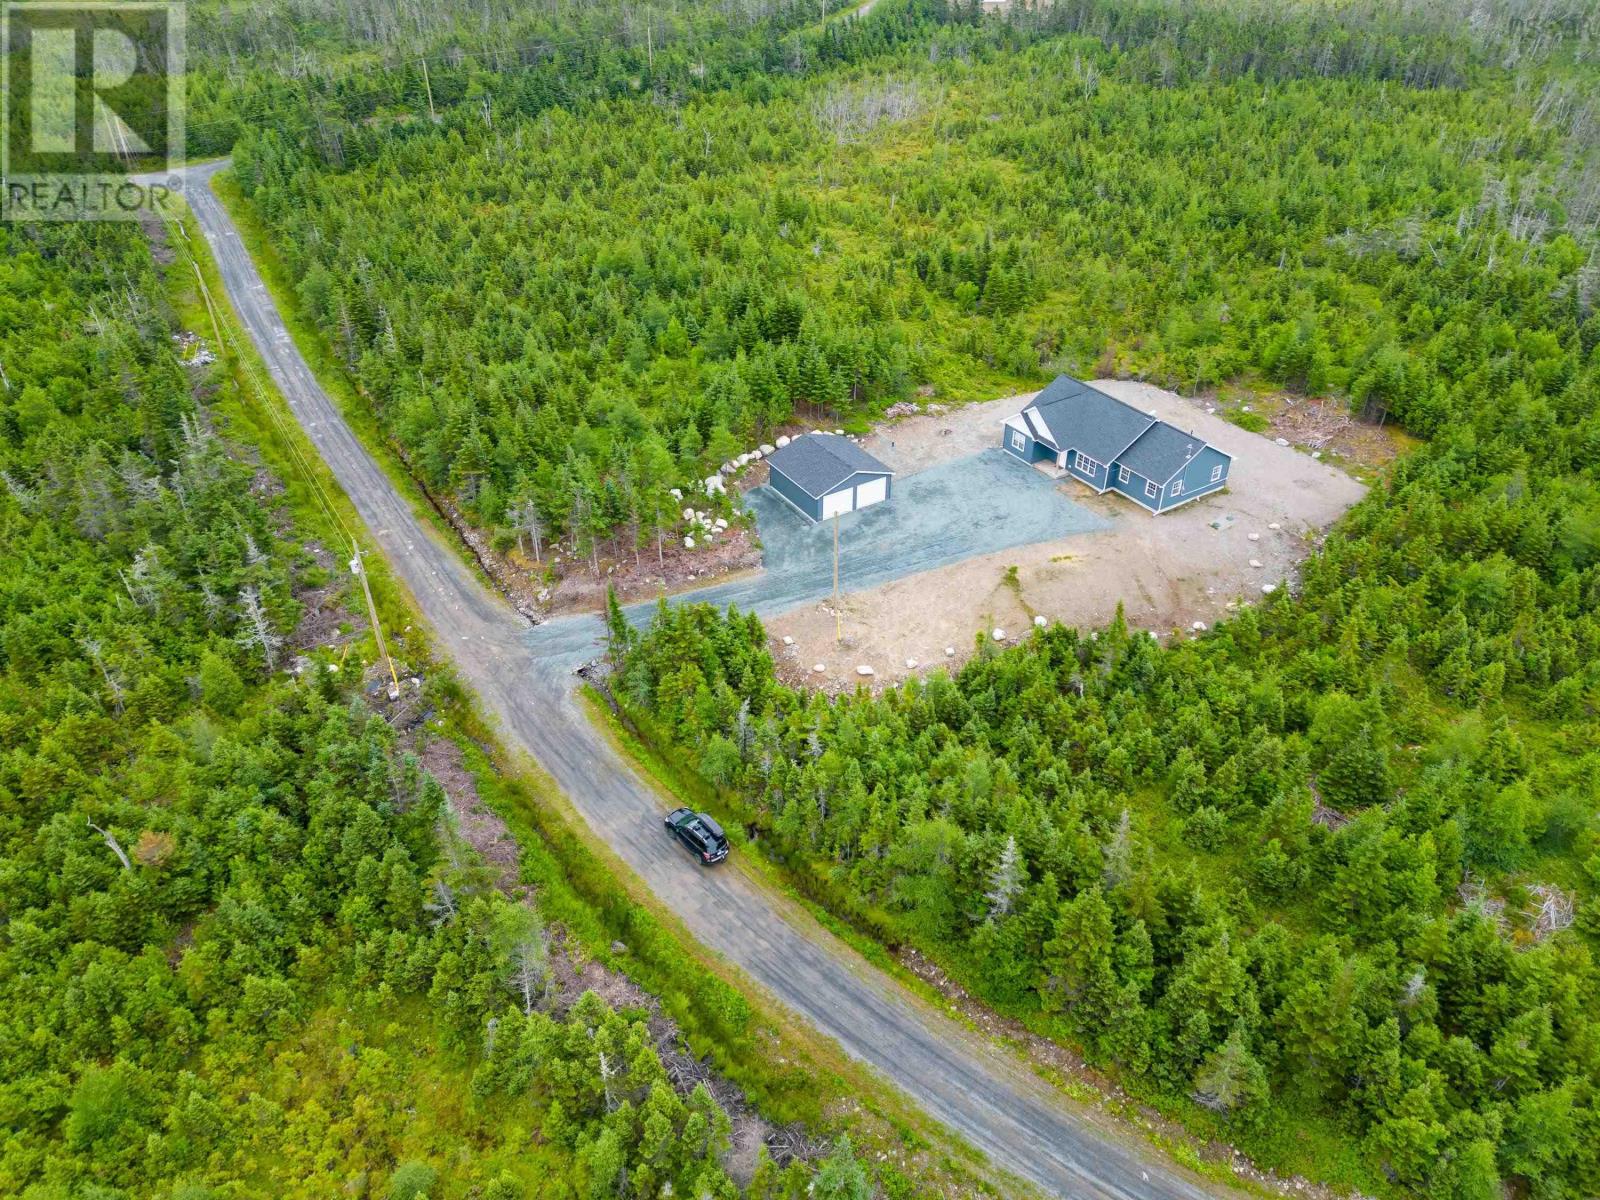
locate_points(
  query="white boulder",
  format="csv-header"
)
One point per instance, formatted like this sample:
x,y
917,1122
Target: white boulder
x,y
1254,537
721,523
1198,627
675,494
911,664
1040,622
755,454
1255,562
688,514
1281,441
688,543
787,640
863,669
714,484
767,448
949,651
998,635
1316,454
819,668
783,440
1274,526
1268,588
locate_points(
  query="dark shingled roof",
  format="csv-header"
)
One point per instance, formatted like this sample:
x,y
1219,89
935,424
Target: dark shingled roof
x,y
819,462
1161,452
1087,420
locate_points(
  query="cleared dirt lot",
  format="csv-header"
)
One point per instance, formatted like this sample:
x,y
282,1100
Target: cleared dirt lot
x,y
1168,571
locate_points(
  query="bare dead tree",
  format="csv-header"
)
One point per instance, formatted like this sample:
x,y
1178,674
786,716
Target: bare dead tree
x,y
1551,912
93,648
116,846
848,114
258,630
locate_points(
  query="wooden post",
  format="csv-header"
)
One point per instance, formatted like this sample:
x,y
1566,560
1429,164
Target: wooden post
x,y
432,116
360,569
838,620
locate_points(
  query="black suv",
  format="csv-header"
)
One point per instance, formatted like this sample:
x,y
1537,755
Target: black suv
x,y
700,833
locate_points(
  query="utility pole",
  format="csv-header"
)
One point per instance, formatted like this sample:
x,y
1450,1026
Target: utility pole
x,y
216,325
359,569
432,116
838,619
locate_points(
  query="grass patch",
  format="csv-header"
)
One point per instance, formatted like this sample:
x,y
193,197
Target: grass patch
x,y
1248,420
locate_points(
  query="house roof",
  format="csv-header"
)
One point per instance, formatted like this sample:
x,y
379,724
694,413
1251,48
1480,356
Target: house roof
x,y
1161,452
1079,417
1083,418
819,462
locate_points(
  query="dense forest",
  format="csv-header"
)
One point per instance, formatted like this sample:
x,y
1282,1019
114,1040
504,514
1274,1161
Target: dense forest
x,y
1325,878
241,946
559,316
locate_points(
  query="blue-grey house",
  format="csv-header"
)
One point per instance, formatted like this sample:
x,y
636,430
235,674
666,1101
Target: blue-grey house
x,y
1113,447
824,475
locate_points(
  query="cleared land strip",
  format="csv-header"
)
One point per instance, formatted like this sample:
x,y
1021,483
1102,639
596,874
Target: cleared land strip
x,y
523,678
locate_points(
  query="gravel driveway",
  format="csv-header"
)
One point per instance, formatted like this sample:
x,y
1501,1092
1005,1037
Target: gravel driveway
x,y
1198,562
947,513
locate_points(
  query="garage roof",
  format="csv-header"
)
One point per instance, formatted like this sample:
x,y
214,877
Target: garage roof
x,y
819,462
1087,420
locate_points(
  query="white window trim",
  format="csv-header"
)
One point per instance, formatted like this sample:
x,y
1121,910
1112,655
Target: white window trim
x,y
1019,440
1177,487
1124,475
1150,489
1087,465
1216,473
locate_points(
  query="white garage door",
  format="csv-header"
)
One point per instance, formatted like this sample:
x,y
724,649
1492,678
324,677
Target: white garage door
x,y
871,492
838,502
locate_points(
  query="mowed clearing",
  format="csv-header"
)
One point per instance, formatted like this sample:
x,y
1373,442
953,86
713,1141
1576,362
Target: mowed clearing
x,y
1168,571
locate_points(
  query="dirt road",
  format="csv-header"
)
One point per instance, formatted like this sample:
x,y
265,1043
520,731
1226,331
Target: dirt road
x,y
524,680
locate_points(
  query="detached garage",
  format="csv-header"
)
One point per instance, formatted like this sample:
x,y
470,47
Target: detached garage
x,y
824,475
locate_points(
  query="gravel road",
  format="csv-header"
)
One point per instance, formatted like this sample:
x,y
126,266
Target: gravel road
x,y
524,679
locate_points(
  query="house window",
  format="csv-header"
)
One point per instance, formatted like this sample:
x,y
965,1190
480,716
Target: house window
x,y
1124,474
1150,489
1177,487
1216,474
1019,440
1088,465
